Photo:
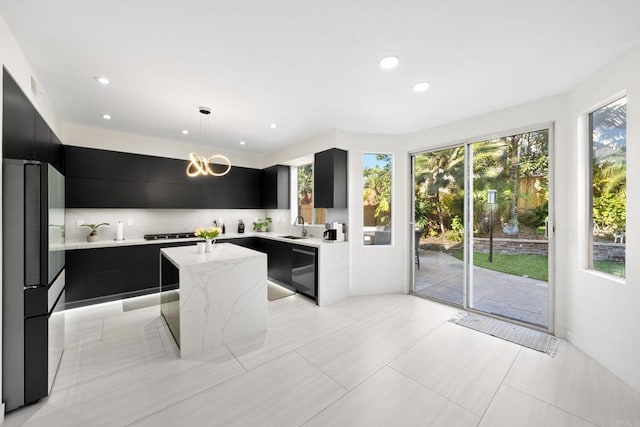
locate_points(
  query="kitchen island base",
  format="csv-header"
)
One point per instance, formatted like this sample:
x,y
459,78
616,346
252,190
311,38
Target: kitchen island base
x,y
214,298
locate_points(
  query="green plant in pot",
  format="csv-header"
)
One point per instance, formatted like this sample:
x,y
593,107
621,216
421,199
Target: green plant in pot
x,y
260,225
93,236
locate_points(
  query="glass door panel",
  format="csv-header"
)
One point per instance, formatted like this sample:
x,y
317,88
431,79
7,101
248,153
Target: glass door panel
x,y
510,208
438,258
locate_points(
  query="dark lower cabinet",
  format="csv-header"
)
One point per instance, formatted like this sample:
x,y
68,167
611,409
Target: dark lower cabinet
x,y
278,261
304,270
293,266
247,242
105,274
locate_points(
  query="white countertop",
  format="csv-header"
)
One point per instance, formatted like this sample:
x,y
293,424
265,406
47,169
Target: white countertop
x,y
310,241
222,252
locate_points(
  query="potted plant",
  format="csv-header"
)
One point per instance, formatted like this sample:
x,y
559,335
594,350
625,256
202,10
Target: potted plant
x,y
93,236
261,225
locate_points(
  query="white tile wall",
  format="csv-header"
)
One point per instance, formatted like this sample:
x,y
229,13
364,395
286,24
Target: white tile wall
x,y
153,221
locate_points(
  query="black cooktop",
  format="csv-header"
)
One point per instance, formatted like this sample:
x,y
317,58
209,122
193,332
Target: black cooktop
x,y
168,236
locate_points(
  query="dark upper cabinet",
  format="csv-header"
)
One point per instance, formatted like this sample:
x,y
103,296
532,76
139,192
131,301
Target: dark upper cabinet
x,y
161,195
102,178
83,162
101,193
239,189
18,122
330,179
160,169
25,134
57,153
275,187
42,140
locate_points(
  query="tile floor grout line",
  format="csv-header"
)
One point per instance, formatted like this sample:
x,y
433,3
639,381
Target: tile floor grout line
x,y
501,382
296,348
409,347
550,404
187,398
236,357
88,380
413,380
102,375
348,391
321,370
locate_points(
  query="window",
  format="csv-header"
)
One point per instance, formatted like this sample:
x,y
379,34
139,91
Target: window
x,y
608,141
305,197
377,198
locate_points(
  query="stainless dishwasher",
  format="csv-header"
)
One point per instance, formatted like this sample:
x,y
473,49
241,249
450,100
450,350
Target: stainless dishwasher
x,y
304,271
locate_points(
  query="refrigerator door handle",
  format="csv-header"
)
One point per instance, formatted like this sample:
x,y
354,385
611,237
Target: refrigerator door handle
x,y
32,225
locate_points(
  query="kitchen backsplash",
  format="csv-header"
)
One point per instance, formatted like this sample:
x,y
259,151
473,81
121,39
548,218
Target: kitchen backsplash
x,y
155,221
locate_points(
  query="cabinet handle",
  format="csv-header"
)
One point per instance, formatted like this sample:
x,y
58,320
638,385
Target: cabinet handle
x,y
304,252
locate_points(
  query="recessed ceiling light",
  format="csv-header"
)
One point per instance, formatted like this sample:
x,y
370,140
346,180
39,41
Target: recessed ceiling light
x,y
273,126
102,80
106,116
389,62
421,86
185,132
242,142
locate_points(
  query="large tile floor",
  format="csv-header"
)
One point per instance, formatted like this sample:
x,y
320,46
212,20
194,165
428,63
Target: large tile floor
x,y
390,360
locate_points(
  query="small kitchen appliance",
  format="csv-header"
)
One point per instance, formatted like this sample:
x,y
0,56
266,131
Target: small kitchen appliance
x,y
334,231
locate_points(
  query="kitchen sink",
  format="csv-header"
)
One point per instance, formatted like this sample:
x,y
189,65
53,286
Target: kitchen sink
x,y
293,237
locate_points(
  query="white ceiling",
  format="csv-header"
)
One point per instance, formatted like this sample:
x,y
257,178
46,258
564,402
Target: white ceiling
x,y
308,66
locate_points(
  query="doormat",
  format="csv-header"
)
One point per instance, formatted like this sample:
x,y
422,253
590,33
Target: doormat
x,y
275,292
517,334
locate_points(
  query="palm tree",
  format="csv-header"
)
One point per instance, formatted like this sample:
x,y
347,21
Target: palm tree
x,y
438,172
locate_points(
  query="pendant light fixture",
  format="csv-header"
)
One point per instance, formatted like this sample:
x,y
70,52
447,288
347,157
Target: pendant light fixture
x,y
201,165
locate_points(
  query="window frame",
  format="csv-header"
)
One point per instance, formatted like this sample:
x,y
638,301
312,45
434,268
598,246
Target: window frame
x,y
589,182
391,202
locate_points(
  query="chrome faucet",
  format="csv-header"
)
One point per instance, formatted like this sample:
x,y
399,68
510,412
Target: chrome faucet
x,y
297,221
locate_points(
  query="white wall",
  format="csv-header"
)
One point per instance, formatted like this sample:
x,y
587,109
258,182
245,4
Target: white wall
x,y
378,269
83,136
597,313
373,270
301,149
600,314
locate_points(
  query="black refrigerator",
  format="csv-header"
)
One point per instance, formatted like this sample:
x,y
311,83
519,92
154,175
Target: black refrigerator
x,y
33,279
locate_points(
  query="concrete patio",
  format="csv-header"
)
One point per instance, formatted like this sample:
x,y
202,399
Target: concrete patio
x,y
441,276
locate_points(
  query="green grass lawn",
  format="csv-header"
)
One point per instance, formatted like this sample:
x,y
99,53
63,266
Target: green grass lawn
x,y
534,266
610,267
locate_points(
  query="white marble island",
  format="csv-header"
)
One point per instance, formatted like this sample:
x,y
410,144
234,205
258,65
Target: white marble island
x,y
219,297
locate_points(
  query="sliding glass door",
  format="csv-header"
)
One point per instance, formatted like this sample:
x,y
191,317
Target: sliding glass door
x,y
499,264
439,178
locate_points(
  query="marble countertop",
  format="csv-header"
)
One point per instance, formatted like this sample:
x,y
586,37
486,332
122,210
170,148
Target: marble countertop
x,y
310,241
184,256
